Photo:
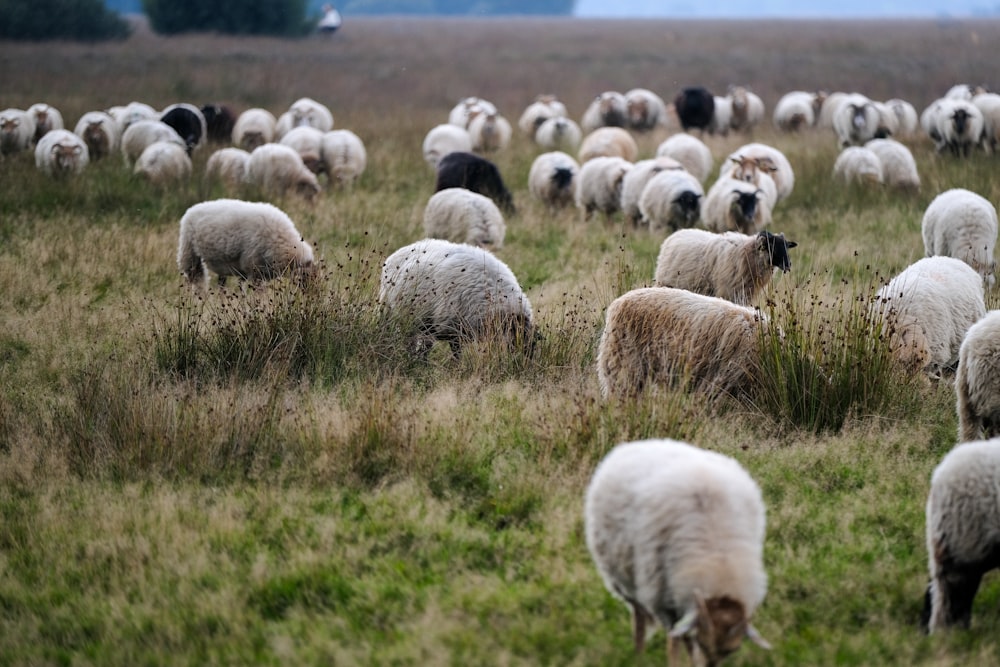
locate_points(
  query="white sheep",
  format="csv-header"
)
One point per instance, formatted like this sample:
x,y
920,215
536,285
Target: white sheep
x,y
279,170
857,164
490,132
855,121
464,216
609,109
676,338
132,113
795,111
636,179
46,117
989,106
144,133
609,142
677,533
963,91
958,125
559,133
962,224
599,186
671,200
888,121
60,152
731,266
963,531
899,169
254,127
456,293
977,380
17,130
926,310
542,109
228,166
251,240
344,156
722,115
906,116
691,152
747,109
307,141
101,132
552,178
644,110
731,205
163,163
772,160
827,104
467,109
306,112
444,139
755,171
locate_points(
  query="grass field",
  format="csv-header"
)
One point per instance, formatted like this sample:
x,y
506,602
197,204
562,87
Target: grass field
x,y
268,476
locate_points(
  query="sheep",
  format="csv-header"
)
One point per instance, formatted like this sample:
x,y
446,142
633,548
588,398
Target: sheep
x,y
671,200
925,311
132,113
144,133
254,128
552,178
722,116
219,121
163,163
635,180
17,129
695,107
490,133
344,156
307,141
691,152
444,139
959,124
888,122
609,109
100,132
754,170
599,186
60,152
467,109
609,142
747,109
989,106
962,224
906,116
463,216
456,293
928,122
855,121
676,338
188,121
47,118
826,105
469,171
977,380
250,240
677,533
795,111
229,166
731,266
734,205
542,109
964,91
559,133
644,110
278,170
857,164
962,515
899,169
304,111
774,161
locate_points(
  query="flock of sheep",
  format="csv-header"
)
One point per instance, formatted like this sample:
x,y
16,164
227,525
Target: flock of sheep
x,y
648,503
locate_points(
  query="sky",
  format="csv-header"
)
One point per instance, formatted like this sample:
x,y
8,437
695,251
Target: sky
x,y
786,8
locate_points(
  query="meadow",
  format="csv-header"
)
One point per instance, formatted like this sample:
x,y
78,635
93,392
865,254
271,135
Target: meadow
x,y
268,476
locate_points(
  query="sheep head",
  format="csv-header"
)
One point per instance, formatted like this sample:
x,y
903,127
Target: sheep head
x,y
687,204
777,248
744,209
715,628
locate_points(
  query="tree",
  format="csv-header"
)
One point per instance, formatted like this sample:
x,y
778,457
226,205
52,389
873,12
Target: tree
x,y
84,20
235,17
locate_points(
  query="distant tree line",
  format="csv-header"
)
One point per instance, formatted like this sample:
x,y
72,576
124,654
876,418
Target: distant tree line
x,y
84,20
457,7
235,17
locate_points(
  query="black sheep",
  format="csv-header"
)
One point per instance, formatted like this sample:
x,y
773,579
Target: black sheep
x,y
695,107
187,121
469,171
219,121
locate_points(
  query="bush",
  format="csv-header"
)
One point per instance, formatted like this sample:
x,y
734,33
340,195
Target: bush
x,y
86,20
235,17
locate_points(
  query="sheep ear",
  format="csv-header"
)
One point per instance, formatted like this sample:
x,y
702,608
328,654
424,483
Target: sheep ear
x,y
685,625
756,637
791,244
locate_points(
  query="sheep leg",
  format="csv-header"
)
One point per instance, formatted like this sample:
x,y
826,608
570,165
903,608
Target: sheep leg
x,y
639,620
955,590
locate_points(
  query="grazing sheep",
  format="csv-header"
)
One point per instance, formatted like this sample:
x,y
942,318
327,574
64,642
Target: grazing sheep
x,y
307,112
60,152
490,132
671,200
676,338
542,109
609,109
899,169
444,139
100,132
467,109
963,542
691,152
888,122
464,216
17,129
552,178
219,121
677,533
254,128
47,118
929,124
827,105
609,142
469,171
964,91
163,163
307,141
747,109
989,106
855,121
962,224
927,309
644,110
977,380
279,170
344,156
731,266
732,205
635,180
755,171
695,107
599,186
132,113
456,293
189,122
722,116
559,133
144,133
228,166
250,240
774,162
906,116
857,164
795,111
959,126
